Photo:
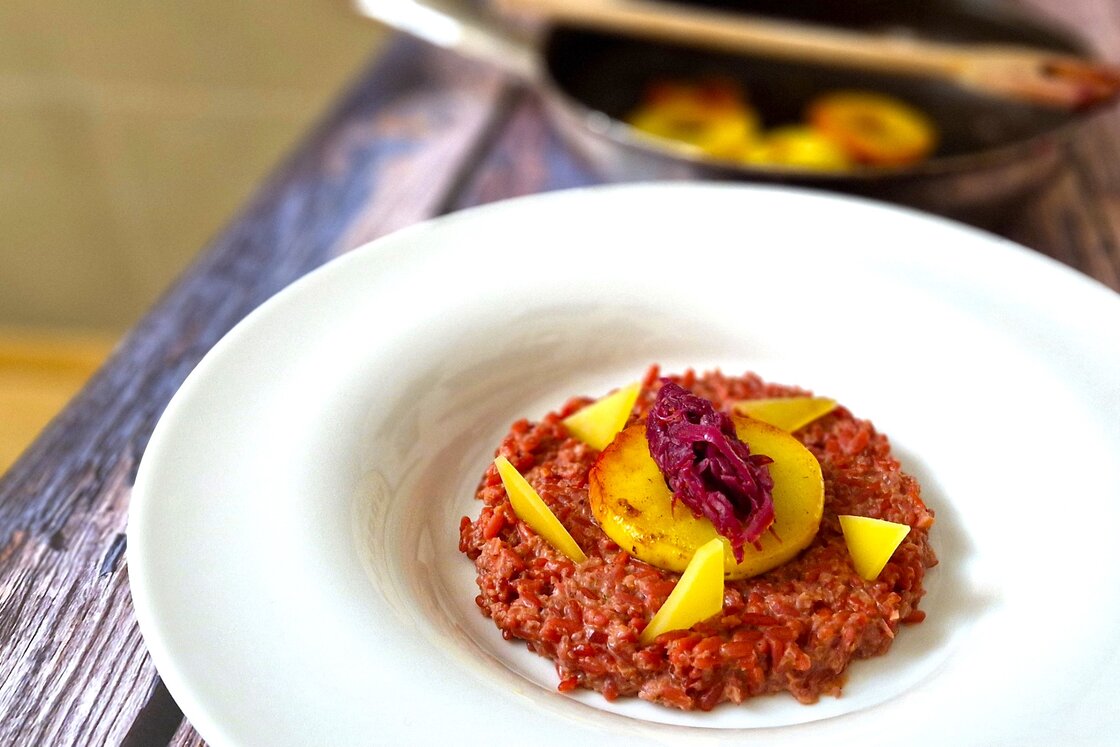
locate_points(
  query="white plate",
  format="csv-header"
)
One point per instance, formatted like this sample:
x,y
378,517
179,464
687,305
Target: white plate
x,y
293,533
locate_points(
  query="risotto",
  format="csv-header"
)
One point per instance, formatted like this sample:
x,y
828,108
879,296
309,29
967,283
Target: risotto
x,y
794,628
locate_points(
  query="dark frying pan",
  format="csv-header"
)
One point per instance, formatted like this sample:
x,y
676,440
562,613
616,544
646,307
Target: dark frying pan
x,y
992,153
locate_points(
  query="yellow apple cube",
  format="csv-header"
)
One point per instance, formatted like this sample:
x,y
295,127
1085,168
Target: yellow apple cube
x,y
696,597
787,413
871,542
598,423
535,512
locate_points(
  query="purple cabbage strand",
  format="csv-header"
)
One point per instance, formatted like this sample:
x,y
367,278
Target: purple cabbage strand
x,y
708,468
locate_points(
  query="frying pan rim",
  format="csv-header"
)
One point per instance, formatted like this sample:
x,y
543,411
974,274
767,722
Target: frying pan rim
x,y
618,132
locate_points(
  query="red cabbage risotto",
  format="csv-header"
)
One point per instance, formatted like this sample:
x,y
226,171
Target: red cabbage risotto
x,y
794,628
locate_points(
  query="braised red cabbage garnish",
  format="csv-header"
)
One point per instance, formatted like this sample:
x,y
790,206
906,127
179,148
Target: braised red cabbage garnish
x,y
708,468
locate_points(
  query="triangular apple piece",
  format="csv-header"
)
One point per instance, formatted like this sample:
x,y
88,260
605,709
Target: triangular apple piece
x,y
598,423
697,596
871,542
787,413
535,512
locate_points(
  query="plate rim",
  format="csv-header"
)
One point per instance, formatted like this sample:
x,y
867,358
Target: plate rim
x,y
141,503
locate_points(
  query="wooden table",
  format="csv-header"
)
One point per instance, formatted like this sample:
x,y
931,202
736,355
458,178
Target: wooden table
x,y
421,133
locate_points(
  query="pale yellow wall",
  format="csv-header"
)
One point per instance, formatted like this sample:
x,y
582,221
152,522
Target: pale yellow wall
x,y
131,130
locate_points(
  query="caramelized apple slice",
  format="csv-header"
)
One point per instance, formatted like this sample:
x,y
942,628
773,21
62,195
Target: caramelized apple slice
x,y
598,423
876,129
535,512
798,147
710,116
787,413
697,596
871,542
632,504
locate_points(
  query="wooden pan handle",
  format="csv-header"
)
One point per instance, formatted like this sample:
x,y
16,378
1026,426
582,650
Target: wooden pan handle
x,y
1021,73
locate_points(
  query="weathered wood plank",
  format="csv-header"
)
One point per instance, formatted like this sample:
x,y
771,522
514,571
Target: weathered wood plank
x,y
1074,221
186,736
73,668
528,157
1077,219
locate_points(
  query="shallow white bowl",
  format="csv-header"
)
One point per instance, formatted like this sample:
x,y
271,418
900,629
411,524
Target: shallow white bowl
x,y
294,526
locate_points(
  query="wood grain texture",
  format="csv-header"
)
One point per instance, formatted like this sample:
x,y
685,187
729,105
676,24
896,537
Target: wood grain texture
x,y
527,157
421,133
186,736
73,668
1076,219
